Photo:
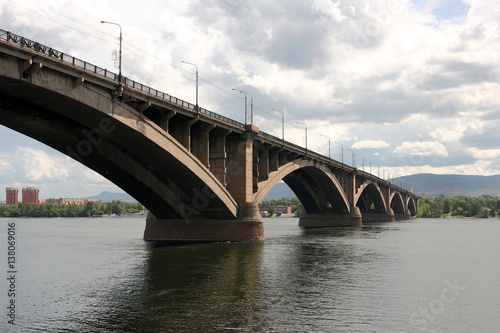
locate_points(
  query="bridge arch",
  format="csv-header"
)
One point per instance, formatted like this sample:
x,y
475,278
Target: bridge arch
x,y
412,206
313,183
369,193
118,142
397,203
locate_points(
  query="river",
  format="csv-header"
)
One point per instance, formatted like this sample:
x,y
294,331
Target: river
x,y
98,275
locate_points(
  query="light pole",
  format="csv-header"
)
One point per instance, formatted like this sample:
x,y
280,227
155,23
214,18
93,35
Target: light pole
x,y
120,54
251,105
342,152
353,157
306,131
189,63
328,145
282,125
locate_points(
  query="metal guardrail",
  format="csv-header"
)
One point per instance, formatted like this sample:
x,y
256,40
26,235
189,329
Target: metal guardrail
x,y
61,56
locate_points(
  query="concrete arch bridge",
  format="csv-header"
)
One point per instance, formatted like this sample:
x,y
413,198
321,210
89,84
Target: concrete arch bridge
x,y
200,174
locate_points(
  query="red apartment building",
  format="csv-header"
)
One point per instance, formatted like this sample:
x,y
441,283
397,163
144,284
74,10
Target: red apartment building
x,y
12,195
30,194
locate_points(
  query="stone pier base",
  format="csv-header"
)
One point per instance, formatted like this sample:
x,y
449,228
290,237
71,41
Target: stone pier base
x,y
404,216
328,219
379,217
247,229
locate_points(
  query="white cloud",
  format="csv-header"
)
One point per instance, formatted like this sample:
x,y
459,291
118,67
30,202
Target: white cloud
x,y
370,144
449,133
485,154
429,148
39,166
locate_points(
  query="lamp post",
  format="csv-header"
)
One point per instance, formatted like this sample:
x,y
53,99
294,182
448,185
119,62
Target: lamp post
x,y
120,54
353,157
342,151
306,131
196,73
328,145
251,105
282,125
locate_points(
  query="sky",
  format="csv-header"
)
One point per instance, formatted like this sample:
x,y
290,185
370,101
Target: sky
x,y
404,87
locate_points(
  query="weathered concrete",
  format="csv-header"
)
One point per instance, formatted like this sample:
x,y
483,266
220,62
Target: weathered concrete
x,y
331,219
403,216
379,217
248,228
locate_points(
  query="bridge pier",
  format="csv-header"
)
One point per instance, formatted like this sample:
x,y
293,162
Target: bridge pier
x,y
330,219
379,217
403,216
248,228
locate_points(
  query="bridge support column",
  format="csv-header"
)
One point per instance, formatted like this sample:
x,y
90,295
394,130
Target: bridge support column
x,y
247,227
379,217
168,231
403,216
330,219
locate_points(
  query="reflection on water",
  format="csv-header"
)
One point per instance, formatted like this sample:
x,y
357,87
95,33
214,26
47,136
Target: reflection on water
x,y
98,275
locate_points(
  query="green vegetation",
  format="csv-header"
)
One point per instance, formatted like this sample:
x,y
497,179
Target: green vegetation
x,y
462,206
91,209
294,203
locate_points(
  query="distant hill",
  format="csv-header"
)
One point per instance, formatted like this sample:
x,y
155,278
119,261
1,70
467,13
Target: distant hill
x,y
280,190
452,185
430,184
109,196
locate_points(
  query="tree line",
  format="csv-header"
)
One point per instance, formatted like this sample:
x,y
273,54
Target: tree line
x,y
90,209
294,203
461,206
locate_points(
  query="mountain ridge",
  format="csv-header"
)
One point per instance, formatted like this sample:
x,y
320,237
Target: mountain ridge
x,y
427,185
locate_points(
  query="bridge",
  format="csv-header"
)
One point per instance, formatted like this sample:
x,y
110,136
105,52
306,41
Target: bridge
x,y
200,174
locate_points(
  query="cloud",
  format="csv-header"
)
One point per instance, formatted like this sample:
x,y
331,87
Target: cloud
x,y
429,148
370,144
38,166
485,154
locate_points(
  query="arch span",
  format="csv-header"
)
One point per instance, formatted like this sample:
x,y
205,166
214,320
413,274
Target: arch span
x,y
117,142
412,206
369,193
397,203
314,185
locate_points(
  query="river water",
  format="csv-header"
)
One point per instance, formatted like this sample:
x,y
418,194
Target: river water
x,y
98,275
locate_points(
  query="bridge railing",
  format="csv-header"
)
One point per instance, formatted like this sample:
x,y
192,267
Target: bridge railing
x,y
103,72
50,52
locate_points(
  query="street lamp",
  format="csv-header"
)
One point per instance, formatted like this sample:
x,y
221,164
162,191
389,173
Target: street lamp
x,y
306,131
353,157
120,54
342,152
251,105
328,145
189,63
282,125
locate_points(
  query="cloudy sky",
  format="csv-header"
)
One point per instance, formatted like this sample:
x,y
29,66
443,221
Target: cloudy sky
x,y
407,86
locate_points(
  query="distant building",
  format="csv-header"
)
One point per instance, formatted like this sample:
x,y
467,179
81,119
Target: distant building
x,y
264,211
283,209
30,194
12,195
70,201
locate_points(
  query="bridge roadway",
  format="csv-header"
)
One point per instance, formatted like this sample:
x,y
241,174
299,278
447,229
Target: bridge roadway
x,y
201,175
